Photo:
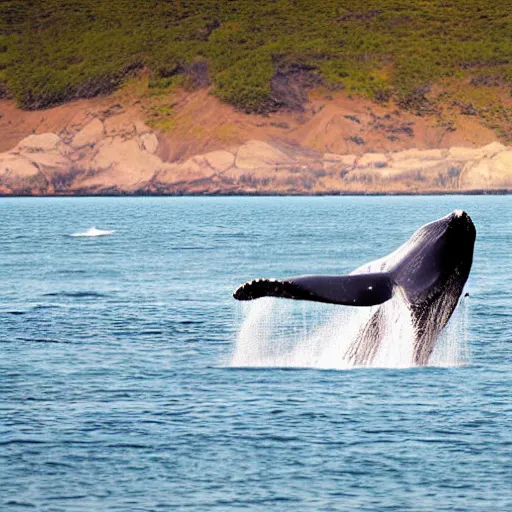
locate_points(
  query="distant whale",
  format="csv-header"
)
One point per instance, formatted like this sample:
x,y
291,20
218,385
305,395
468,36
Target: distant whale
x,y
428,272
94,232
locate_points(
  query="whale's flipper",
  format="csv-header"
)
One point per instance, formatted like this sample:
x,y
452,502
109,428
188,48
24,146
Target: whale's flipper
x,y
351,290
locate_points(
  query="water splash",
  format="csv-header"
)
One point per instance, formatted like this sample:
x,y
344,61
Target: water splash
x,y
305,334
453,347
92,232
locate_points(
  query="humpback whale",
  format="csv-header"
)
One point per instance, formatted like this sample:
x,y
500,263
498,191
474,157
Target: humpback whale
x,y
428,272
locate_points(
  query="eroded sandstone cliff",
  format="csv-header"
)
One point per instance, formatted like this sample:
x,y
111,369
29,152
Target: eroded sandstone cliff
x,y
109,149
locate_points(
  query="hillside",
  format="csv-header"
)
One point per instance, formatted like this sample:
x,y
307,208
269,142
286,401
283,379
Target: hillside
x,y
313,81
261,56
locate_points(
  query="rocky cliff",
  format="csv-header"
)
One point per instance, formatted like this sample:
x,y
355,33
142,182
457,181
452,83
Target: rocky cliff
x,y
112,151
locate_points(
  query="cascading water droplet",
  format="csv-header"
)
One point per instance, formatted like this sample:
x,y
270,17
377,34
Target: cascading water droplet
x,y
284,333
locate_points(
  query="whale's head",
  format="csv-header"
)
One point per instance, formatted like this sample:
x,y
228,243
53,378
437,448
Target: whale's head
x,y
453,241
460,234
439,253
459,219
434,276
455,233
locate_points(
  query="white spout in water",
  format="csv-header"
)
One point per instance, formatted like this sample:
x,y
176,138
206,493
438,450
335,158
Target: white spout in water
x,y
91,232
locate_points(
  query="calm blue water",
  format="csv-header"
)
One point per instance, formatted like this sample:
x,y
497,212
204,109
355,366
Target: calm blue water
x,y
115,393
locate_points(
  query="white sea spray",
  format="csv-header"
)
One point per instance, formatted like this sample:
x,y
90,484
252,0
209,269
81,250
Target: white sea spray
x,y
284,333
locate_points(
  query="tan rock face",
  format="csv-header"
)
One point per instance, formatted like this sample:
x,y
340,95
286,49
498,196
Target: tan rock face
x,y
503,162
502,168
372,160
335,162
193,169
255,154
120,163
94,161
465,154
32,165
52,160
148,142
12,165
414,164
220,161
419,154
90,134
477,175
42,142
20,176
489,173
493,148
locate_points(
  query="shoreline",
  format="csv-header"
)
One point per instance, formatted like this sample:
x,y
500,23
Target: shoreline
x,y
494,192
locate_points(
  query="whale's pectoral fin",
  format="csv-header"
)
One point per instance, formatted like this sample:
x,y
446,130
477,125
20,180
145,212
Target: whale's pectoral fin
x,y
351,290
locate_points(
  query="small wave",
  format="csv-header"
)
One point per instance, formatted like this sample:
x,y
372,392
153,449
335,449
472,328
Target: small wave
x,y
129,445
24,504
67,497
43,340
188,248
8,442
92,232
41,307
75,295
191,322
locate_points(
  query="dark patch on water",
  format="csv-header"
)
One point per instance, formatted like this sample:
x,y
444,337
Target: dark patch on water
x,y
8,442
41,307
43,340
76,295
189,248
71,272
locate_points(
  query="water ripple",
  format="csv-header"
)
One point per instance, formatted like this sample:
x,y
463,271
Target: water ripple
x,y
116,392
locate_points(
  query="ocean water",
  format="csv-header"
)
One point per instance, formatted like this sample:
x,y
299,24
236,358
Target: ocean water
x,y
130,380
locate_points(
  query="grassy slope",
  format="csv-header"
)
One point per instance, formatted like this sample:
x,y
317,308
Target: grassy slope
x,y
56,50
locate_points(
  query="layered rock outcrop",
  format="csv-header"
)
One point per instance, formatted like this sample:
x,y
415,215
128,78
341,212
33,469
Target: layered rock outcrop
x,y
99,160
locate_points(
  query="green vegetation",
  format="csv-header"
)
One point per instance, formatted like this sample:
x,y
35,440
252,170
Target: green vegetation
x,y
55,50
161,118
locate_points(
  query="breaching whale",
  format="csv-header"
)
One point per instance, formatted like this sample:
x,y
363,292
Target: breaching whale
x,y
428,273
